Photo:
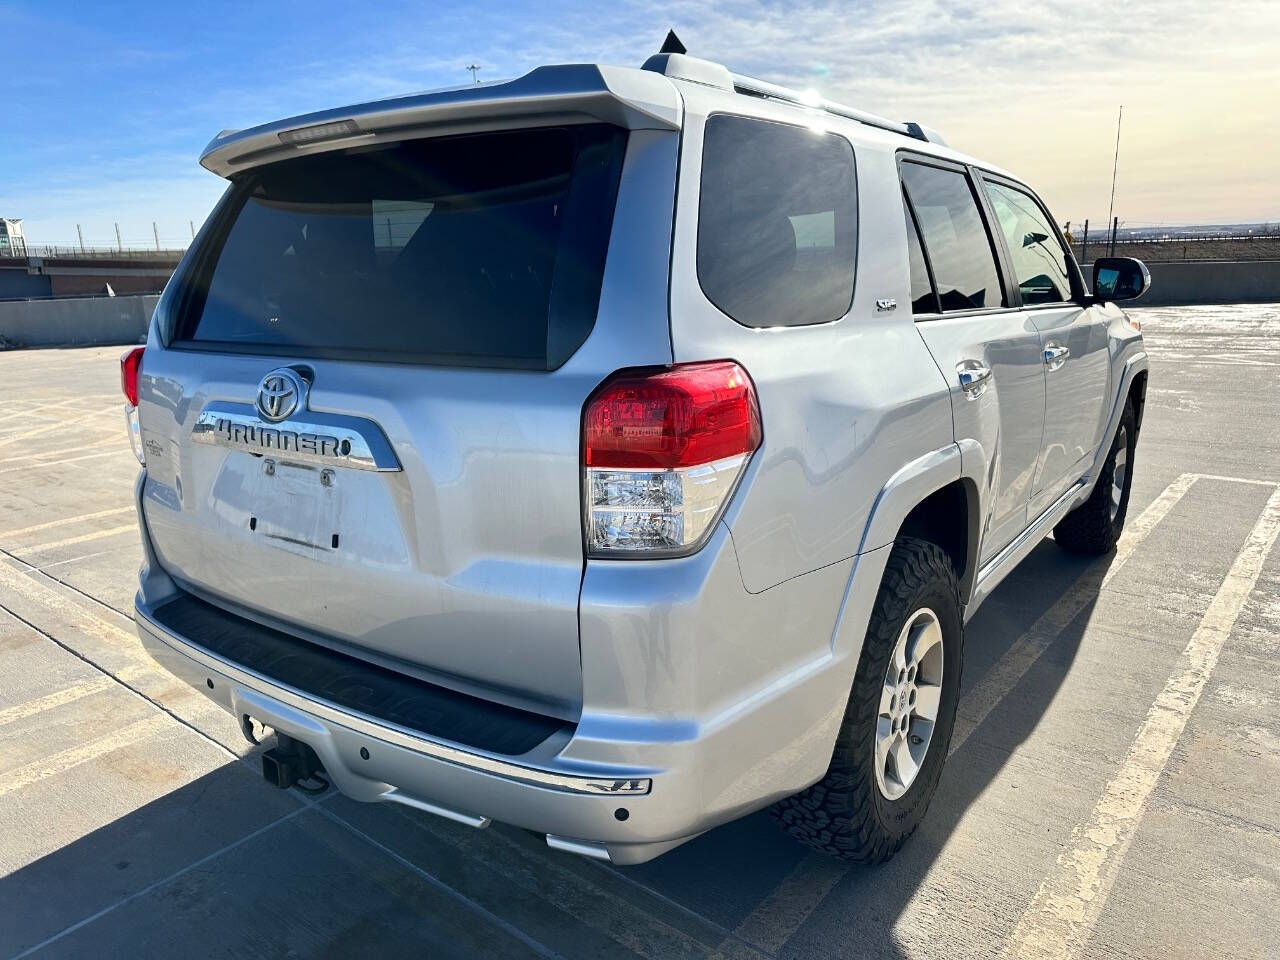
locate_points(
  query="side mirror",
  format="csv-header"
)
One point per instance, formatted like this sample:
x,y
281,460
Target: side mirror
x,y
1119,278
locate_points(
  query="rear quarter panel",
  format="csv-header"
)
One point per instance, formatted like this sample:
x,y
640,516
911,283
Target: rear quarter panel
x,y
844,404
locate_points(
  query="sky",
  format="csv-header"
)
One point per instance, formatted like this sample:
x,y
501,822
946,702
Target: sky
x,y
107,106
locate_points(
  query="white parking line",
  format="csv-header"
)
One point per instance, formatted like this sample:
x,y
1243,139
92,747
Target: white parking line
x,y
78,448
1023,653
58,463
1060,920
70,694
56,699
61,424
771,924
69,541
46,767
65,521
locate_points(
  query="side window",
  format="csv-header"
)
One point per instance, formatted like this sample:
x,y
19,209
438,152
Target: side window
x,y
1038,257
923,299
777,222
955,239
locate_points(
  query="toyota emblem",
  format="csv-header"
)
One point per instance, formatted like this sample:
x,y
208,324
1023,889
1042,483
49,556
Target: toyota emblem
x,y
280,394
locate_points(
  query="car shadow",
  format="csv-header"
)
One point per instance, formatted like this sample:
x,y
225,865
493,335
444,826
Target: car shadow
x,y
814,906
227,866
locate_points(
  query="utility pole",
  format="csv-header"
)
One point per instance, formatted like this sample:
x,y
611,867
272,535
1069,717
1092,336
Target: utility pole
x,y
1114,167
1084,242
81,236
119,245
155,233
475,72
192,225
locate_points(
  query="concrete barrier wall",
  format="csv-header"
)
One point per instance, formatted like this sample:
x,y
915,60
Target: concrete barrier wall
x,y
88,322
1209,281
108,320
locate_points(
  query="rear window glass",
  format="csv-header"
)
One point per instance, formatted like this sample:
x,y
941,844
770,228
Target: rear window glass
x,y
777,222
485,250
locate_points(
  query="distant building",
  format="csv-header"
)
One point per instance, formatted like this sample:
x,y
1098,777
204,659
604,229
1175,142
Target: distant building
x,y
12,242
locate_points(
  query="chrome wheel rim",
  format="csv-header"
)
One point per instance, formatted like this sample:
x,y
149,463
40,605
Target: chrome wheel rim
x,y
909,704
1120,473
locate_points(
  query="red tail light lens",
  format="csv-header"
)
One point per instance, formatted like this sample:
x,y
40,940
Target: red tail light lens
x,y
688,415
130,364
663,452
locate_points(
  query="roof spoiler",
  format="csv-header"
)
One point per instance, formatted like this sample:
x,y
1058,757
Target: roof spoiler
x,y
574,92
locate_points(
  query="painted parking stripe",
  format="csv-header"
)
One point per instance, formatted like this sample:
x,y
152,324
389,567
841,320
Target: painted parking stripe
x,y
798,894
68,695
1023,653
60,425
1058,924
66,521
56,699
37,409
65,760
58,463
78,448
83,538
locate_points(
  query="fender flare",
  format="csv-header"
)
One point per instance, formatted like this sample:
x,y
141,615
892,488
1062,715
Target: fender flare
x,y
917,480
1133,366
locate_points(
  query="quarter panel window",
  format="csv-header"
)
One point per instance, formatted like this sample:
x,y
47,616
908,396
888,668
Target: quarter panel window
x,y
777,222
955,238
1038,257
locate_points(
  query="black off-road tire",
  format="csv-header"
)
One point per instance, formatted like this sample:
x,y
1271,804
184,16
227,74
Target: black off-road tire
x,y
1091,528
846,814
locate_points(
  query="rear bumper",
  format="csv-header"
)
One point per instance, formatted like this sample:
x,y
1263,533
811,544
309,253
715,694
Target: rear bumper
x,y
469,787
701,703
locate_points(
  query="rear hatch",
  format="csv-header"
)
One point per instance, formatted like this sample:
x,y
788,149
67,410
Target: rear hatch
x,y
365,425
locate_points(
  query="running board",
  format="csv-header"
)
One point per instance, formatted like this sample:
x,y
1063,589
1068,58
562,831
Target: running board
x,y
990,575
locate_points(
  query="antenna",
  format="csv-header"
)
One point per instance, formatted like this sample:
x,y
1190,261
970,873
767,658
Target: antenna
x,y
1115,166
475,69
672,44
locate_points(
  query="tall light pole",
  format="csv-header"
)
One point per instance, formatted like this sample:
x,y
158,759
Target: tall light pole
x,y
475,72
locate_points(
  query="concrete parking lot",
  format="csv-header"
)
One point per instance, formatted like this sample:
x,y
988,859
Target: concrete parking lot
x,y
1114,787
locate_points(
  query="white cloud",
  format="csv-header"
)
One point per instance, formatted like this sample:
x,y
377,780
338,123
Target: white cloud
x,y
1031,87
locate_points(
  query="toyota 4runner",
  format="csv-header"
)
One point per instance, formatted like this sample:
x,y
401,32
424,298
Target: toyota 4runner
x,y
614,452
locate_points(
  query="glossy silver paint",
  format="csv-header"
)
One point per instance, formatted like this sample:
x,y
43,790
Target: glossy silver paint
x,y
718,679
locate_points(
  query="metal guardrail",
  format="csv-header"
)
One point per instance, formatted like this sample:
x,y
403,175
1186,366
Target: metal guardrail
x,y
87,252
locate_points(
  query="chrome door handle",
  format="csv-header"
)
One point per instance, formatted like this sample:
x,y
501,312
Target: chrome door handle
x,y
974,377
1055,355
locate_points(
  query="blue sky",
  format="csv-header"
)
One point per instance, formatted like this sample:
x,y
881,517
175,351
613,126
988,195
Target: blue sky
x,y
107,106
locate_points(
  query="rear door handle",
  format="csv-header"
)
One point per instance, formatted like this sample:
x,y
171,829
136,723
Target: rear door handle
x,y
974,377
1055,355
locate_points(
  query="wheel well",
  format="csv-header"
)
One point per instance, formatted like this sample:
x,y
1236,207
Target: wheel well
x,y
1138,396
949,518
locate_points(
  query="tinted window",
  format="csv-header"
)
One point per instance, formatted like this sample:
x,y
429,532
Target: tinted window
x,y
922,298
1038,257
777,222
954,236
475,250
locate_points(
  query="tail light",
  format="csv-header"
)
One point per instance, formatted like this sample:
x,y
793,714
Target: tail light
x,y
663,451
130,364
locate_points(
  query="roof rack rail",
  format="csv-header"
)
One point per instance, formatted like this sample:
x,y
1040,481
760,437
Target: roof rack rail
x,y
762,88
678,65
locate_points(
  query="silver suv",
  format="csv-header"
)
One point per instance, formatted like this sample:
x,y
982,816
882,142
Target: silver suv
x,y
614,452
